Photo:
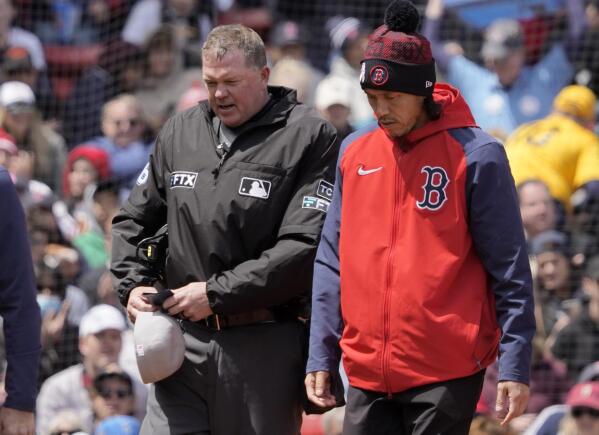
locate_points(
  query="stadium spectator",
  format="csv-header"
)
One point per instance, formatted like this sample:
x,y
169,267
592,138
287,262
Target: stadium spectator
x,y
59,337
583,415
577,344
291,67
587,55
86,166
190,19
119,70
77,22
100,343
561,149
93,243
165,80
348,39
12,36
123,128
555,287
65,423
112,394
20,118
17,65
333,101
537,208
505,93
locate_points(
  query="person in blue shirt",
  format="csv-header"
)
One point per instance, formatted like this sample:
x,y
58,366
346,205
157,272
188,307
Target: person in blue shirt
x,y
505,92
123,129
21,314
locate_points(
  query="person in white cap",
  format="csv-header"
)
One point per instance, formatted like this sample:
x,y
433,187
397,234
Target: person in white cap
x,y
333,101
100,343
21,119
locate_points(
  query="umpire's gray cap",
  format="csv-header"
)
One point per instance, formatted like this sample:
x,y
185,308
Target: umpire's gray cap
x,y
159,345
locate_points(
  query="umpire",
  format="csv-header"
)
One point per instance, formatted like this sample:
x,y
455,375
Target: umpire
x,y
243,182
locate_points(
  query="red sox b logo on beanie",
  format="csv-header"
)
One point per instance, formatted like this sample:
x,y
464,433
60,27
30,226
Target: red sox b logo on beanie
x,y
379,74
397,58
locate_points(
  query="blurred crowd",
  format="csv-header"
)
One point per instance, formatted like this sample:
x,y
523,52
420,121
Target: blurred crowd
x,y
85,86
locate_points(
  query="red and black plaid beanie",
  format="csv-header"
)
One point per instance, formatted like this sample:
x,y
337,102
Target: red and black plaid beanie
x,y
398,58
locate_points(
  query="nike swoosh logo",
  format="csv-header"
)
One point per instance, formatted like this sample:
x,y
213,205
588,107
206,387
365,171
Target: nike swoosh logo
x,y
362,171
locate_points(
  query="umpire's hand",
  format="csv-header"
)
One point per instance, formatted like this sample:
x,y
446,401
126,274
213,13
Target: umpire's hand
x,y
189,302
516,394
318,389
138,302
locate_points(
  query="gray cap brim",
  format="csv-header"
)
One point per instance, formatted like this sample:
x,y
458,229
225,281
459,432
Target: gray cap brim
x,y
159,346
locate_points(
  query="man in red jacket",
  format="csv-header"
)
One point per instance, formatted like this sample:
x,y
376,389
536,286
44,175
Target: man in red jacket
x,y
421,277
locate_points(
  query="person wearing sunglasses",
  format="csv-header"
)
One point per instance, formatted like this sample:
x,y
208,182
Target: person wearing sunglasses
x,y
112,394
583,417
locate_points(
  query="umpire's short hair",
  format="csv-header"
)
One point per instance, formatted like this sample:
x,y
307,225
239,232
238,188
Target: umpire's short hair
x,y
236,36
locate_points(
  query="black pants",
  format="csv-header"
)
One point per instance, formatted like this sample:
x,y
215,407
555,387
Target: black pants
x,y
244,380
441,408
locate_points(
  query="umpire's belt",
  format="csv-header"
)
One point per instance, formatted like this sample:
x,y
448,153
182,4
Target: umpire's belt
x,y
222,321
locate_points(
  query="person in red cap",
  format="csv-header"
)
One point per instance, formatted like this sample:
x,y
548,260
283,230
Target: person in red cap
x,y
583,418
421,276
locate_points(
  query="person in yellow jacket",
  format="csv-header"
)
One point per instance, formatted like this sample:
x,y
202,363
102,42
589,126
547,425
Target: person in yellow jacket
x,y
561,149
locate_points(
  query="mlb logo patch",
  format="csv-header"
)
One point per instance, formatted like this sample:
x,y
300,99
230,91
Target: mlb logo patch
x,y
315,203
254,187
183,179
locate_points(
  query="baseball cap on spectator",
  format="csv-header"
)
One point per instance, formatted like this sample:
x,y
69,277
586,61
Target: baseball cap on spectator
x,y
112,372
159,345
584,394
575,100
502,37
333,90
345,30
8,143
589,373
118,425
16,96
96,156
16,60
100,318
288,33
549,241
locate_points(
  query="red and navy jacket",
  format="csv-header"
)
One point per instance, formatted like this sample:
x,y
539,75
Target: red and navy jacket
x,y
422,273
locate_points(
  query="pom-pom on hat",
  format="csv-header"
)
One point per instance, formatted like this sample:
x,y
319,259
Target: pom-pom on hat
x,y
398,58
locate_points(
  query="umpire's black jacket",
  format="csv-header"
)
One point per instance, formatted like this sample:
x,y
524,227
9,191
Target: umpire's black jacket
x,y
248,225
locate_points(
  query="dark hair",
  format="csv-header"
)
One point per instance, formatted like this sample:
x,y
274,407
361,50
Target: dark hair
x,y
432,108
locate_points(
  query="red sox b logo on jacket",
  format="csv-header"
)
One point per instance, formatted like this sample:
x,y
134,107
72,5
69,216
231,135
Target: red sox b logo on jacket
x,y
434,188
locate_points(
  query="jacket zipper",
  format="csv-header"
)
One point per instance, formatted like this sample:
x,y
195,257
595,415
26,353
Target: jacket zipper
x,y
386,310
216,171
